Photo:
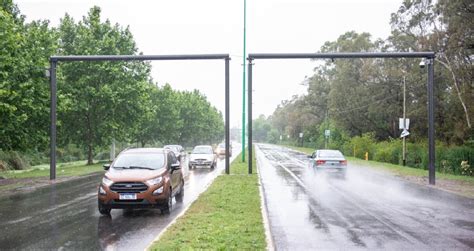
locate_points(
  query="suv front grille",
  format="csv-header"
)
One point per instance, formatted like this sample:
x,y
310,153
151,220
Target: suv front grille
x,y
128,187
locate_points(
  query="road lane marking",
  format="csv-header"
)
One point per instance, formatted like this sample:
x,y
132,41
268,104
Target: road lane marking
x,y
264,209
301,183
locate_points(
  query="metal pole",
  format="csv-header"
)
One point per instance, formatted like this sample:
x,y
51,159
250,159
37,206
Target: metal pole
x,y
243,82
404,122
431,130
227,116
249,91
53,88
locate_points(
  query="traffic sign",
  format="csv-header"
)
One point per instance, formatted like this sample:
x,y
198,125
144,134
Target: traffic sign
x,y
400,123
327,133
404,133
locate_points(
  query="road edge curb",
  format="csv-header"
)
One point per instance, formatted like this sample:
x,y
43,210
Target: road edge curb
x,y
157,238
266,221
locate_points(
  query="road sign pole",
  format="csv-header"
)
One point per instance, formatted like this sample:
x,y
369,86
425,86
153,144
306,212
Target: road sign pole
x,y
243,82
52,137
227,117
404,121
431,131
250,115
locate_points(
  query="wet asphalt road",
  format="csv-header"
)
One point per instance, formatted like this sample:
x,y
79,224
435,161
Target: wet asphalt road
x,y
365,211
65,216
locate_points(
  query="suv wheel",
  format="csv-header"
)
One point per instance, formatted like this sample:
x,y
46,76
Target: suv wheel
x,y
169,203
104,210
179,196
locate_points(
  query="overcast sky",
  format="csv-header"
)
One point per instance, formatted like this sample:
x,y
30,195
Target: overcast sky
x,y
216,26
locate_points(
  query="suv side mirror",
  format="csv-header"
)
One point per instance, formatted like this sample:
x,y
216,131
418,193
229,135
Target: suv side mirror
x,y
106,166
175,166
310,156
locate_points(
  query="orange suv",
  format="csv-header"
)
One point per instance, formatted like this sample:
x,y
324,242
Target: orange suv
x,y
141,178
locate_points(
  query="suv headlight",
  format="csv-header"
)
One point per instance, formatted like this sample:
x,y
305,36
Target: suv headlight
x,y
154,181
102,191
106,181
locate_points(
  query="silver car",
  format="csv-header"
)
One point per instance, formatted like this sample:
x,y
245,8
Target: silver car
x,y
203,156
330,161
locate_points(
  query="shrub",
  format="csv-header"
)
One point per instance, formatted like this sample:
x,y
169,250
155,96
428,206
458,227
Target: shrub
x,y
359,145
13,160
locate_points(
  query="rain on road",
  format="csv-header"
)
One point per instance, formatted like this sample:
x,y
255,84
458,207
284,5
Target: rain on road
x,y
367,210
65,216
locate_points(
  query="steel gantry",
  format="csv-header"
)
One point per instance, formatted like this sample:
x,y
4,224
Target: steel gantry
x,y
54,60
429,56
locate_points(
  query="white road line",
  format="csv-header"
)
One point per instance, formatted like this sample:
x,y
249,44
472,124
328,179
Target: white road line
x,y
398,231
264,209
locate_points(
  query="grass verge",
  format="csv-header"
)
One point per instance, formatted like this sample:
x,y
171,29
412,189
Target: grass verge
x,y
77,168
226,216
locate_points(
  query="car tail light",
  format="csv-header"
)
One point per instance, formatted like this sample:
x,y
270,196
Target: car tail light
x,y
343,162
320,162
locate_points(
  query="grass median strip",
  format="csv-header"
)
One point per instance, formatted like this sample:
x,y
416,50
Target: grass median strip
x,y
226,216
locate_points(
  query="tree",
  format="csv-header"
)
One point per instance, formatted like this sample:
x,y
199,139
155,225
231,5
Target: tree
x,y
99,100
24,90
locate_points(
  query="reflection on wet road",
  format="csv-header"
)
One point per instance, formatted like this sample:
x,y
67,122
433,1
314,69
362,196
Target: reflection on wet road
x,y
367,210
65,216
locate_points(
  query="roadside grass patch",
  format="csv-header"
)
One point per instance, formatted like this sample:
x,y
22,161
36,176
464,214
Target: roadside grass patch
x,y
226,216
76,168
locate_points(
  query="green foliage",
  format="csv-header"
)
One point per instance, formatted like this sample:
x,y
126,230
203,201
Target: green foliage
x,y
359,145
24,52
97,101
12,160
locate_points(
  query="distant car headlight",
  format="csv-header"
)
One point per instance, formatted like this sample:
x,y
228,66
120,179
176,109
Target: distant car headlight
x,y
106,181
154,181
102,191
158,191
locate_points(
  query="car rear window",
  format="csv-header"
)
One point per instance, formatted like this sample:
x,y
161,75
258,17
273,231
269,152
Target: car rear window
x,y
202,150
145,160
331,154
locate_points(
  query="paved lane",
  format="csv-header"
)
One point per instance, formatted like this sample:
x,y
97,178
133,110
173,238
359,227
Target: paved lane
x,y
65,216
367,210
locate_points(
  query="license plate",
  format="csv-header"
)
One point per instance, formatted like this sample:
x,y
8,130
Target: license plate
x,y
128,196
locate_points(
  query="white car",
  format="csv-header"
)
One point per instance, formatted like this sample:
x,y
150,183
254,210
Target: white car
x,y
202,156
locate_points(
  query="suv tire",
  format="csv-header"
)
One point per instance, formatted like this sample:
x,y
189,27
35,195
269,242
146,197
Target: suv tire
x,y
169,204
104,210
179,196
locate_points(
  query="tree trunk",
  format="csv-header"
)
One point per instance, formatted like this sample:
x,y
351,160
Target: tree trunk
x,y
89,154
456,87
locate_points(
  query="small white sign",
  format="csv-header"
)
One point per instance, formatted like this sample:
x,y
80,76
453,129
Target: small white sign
x,y
327,133
400,124
404,133
301,135
281,137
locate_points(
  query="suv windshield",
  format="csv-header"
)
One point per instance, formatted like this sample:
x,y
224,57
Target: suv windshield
x,y
152,161
172,148
203,150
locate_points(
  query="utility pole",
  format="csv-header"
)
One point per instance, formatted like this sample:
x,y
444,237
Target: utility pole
x,y
404,121
326,137
243,82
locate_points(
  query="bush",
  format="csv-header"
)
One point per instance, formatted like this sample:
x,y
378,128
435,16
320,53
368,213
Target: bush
x,y
388,151
359,145
13,160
